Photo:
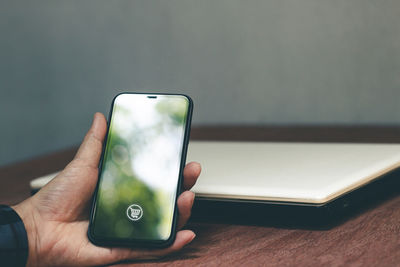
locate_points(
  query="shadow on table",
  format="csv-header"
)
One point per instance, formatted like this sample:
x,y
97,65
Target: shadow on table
x,y
285,215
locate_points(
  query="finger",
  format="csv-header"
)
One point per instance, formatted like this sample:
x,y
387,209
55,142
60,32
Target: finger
x,y
185,203
183,238
190,175
90,254
90,150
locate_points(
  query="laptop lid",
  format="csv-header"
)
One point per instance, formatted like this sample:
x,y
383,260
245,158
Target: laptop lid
x,y
297,173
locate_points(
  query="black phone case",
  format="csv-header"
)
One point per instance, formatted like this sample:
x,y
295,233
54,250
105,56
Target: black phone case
x,y
139,242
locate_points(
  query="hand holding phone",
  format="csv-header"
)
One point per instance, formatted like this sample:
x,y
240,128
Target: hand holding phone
x,y
56,217
140,174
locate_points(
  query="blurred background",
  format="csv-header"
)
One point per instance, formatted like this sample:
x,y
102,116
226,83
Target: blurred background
x,y
254,62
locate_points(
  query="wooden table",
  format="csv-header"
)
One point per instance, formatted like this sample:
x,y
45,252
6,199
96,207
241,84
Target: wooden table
x,y
370,237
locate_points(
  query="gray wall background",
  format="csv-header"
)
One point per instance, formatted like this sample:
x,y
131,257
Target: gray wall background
x,y
243,62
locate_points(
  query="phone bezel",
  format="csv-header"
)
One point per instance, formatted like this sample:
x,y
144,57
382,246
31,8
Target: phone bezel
x,y
101,241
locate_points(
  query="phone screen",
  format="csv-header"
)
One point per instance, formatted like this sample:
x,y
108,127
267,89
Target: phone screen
x,y
141,166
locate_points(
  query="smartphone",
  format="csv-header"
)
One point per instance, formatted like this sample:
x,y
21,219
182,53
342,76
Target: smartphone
x,y
141,169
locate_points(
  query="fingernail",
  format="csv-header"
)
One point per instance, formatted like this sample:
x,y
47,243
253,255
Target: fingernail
x,y
193,236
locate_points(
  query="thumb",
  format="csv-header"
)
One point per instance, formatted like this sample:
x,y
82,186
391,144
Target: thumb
x,y
90,150
68,194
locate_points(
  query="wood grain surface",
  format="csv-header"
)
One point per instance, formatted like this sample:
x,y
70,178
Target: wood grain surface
x,y
368,237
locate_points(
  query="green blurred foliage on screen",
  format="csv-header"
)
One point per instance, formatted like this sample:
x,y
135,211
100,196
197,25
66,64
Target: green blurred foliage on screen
x,y
141,166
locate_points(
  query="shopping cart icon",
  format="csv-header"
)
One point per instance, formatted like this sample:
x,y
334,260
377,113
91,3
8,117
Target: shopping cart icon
x,y
134,212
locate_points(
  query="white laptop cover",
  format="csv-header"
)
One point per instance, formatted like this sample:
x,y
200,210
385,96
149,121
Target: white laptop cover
x,y
313,173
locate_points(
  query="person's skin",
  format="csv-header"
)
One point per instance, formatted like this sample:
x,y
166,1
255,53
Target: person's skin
x,y
56,218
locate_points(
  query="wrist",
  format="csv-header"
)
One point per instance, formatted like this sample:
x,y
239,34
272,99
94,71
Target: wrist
x,y
26,213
